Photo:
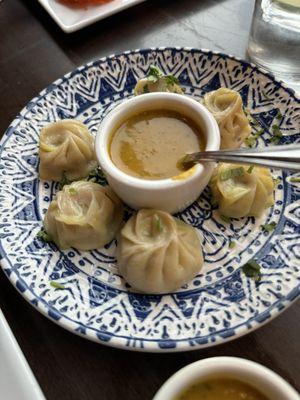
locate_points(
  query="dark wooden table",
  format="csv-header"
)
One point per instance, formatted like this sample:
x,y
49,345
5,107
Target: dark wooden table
x,y
33,53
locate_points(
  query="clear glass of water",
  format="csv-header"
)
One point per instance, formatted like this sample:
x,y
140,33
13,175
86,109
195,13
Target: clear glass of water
x,y
274,42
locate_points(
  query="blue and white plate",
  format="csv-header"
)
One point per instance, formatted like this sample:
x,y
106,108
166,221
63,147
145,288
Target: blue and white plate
x,y
221,303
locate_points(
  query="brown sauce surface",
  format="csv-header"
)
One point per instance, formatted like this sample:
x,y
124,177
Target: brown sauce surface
x,y
150,145
221,389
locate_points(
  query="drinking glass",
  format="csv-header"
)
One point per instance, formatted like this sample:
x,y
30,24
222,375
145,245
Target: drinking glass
x,y
274,42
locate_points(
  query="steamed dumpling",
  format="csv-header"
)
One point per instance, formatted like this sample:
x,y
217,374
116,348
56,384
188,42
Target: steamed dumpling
x,y
242,191
158,253
66,148
83,215
156,81
227,107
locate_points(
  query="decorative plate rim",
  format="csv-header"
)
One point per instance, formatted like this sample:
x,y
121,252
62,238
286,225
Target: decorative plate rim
x,y
117,341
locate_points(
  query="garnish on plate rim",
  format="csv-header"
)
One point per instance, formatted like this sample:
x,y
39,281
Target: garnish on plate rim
x,y
252,270
44,236
57,285
269,227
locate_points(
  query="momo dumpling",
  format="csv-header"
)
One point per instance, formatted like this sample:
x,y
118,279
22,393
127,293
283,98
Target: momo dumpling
x,y
242,191
158,253
84,215
156,81
66,148
226,106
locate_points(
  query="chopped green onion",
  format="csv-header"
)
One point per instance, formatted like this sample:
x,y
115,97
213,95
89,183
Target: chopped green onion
x,y
44,236
171,80
252,270
279,115
295,179
72,191
57,285
96,176
269,227
250,169
232,245
231,173
259,133
275,140
276,134
154,74
158,224
276,131
250,141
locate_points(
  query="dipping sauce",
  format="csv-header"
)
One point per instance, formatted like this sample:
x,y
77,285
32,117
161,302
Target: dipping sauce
x,y
221,389
150,144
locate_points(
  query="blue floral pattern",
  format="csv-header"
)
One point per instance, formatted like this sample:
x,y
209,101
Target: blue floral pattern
x,y
95,302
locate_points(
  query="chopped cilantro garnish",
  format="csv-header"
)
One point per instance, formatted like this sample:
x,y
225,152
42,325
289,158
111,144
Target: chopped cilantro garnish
x,y
64,181
72,191
56,285
225,219
154,74
269,227
171,80
259,133
250,169
252,270
279,115
43,235
275,139
295,179
96,176
158,223
231,173
232,245
250,141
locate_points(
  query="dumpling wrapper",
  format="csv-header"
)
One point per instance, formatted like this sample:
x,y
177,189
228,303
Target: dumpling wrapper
x,y
226,106
66,148
158,253
84,215
241,196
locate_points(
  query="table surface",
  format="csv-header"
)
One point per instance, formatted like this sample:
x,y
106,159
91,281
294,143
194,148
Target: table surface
x,y
33,53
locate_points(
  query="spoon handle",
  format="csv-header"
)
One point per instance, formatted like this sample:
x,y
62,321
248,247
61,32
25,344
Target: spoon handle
x,y
286,157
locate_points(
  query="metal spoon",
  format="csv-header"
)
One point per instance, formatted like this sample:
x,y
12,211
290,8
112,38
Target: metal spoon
x,y
286,157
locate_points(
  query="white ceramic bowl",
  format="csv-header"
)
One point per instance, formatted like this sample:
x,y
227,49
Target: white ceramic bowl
x,y
259,377
166,194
